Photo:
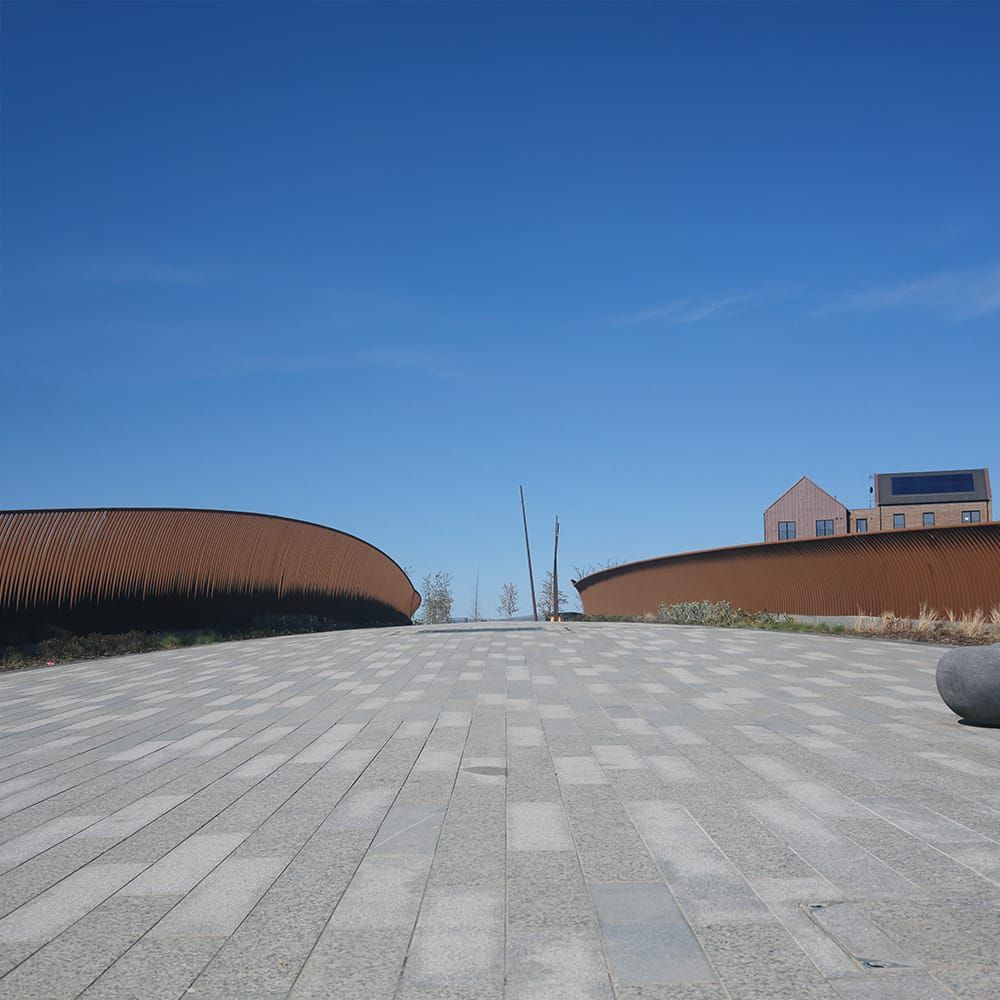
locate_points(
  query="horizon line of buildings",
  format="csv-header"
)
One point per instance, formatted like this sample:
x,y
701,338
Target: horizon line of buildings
x,y
899,500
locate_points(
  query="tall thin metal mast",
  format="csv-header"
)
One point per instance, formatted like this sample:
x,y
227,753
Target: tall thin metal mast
x,y
555,576
531,577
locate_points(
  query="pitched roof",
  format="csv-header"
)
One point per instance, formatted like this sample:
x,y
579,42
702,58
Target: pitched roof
x,y
795,485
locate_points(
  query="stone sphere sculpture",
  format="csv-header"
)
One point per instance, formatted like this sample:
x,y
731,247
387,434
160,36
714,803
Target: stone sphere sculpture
x,y
968,680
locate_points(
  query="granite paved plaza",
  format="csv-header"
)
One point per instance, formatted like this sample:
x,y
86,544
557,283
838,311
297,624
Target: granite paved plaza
x,y
560,811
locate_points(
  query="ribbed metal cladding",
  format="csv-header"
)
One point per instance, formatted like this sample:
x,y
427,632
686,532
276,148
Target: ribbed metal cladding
x,y
62,559
956,568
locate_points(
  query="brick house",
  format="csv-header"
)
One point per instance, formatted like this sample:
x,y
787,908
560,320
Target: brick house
x,y
901,500
805,511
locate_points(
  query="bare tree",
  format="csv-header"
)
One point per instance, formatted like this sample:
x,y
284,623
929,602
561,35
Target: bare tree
x,y
508,600
579,572
437,598
545,601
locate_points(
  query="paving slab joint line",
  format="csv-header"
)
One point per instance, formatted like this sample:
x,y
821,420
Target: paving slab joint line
x,y
614,790
576,850
711,840
413,763
292,859
506,806
181,710
927,843
430,867
291,794
319,683
158,788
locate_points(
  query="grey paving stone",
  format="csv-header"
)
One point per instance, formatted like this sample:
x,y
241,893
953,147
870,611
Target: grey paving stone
x,y
646,936
579,770
760,960
67,965
790,899
940,932
266,953
547,889
557,963
628,862
409,829
970,981
675,991
892,986
133,817
442,955
840,859
19,849
384,893
362,814
538,826
708,886
858,936
218,904
348,964
51,912
185,866
157,968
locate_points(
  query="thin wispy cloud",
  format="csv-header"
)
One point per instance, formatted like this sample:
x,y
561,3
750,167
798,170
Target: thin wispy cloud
x,y
395,357
961,294
374,358
683,311
131,272
191,367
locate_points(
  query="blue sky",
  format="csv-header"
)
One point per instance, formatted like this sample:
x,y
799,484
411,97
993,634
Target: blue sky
x,y
376,265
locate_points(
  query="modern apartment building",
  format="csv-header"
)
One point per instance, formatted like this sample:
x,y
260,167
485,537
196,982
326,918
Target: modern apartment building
x,y
900,500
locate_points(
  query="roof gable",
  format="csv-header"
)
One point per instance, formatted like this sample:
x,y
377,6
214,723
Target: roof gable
x,y
811,486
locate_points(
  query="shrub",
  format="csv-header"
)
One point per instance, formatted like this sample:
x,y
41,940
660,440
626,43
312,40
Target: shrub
x,y
438,599
697,613
719,614
63,647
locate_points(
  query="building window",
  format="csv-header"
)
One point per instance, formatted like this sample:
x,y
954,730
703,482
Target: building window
x,y
824,528
970,516
861,525
786,529
929,519
899,520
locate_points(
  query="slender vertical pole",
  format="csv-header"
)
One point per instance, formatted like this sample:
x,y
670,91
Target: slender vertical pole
x,y
555,576
531,577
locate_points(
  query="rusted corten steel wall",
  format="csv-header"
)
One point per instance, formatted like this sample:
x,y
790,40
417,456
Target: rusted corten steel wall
x,y
116,569
956,568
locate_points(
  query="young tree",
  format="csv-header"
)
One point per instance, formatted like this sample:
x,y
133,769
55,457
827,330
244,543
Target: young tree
x,y
545,598
437,598
508,600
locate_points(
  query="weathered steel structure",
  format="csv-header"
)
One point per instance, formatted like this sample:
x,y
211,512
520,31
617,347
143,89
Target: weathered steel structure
x,y
956,568
110,570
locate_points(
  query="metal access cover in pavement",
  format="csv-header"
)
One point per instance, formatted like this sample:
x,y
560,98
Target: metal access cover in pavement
x,y
532,812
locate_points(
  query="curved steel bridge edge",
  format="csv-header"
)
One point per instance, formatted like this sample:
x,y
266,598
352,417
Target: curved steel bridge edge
x,y
952,568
